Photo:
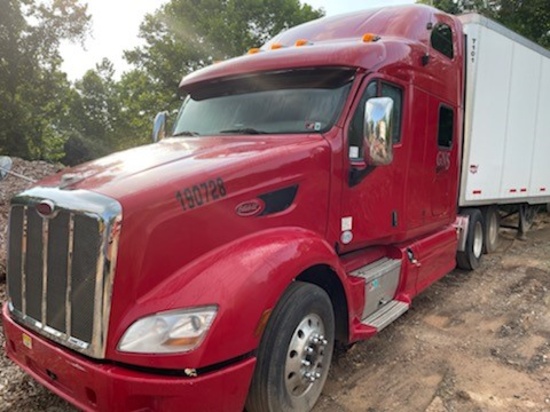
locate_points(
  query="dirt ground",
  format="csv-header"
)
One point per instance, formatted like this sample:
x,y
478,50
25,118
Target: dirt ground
x,y
475,341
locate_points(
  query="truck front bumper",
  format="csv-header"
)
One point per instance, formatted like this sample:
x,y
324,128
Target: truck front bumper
x,y
92,385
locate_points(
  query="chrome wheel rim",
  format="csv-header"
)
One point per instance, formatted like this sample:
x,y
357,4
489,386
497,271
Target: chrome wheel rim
x,y
305,366
493,229
478,239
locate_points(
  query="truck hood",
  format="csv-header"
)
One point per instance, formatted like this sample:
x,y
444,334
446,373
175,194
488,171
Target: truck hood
x,y
183,156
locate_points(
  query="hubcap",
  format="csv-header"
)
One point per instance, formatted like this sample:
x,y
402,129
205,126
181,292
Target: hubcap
x,y
304,365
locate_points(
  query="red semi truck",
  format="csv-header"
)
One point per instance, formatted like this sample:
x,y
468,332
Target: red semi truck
x,y
309,192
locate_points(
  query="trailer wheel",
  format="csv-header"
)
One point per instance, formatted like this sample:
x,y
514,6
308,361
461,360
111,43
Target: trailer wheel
x,y
295,352
470,258
491,229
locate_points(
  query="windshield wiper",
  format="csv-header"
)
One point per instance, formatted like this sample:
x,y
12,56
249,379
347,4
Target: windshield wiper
x,y
185,133
244,130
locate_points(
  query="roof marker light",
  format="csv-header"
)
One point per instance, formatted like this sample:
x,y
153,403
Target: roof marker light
x,y
276,46
254,50
302,42
370,37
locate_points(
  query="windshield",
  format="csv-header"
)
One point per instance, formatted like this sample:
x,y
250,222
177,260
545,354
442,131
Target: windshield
x,y
297,101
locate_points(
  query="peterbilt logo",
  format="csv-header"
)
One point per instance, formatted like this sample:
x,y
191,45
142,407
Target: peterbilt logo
x,y
250,208
46,209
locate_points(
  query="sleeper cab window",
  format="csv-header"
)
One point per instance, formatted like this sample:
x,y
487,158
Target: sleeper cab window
x,y
445,128
375,88
442,40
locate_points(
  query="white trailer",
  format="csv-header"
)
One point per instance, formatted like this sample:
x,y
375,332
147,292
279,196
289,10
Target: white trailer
x,y
506,155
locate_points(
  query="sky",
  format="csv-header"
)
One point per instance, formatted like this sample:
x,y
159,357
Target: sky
x,y
115,27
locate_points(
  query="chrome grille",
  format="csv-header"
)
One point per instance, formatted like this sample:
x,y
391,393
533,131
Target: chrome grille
x,y
56,286
60,269
84,267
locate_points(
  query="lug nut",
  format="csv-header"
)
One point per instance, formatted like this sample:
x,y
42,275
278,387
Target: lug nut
x,y
306,362
309,349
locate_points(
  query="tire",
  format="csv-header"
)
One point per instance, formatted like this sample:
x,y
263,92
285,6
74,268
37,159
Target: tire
x,y
491,229
300,330
470,259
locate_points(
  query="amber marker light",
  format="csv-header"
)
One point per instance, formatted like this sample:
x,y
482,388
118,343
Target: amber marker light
x,y
370,37
302,42
276,46
254,50
260,327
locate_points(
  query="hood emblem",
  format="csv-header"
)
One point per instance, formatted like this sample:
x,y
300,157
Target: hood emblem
x,y
250,208
46,209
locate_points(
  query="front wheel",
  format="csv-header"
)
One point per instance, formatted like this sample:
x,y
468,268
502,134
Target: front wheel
x,y
470,258
295,352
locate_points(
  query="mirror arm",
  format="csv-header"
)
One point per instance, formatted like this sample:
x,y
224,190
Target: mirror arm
x,y
357,174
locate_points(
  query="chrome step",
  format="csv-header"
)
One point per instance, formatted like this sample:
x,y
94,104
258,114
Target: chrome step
x,y
386,314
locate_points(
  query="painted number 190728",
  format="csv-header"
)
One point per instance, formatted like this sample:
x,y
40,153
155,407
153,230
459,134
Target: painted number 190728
x,y
201,194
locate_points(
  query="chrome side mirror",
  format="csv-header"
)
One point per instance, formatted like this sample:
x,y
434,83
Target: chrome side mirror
x,y
5,166
378,143
159,126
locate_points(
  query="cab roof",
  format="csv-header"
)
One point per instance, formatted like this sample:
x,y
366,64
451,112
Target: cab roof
x,y
335,41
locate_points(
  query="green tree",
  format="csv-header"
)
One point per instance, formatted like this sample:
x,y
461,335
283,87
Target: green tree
x,y
529,18
94,110
140,98
33,90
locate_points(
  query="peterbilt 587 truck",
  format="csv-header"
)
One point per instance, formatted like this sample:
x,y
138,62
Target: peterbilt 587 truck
x,y
309,191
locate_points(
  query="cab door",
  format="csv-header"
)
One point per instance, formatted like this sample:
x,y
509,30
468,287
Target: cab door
x,y
372,201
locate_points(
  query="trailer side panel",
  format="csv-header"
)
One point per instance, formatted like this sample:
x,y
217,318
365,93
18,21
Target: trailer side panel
x,y
507,129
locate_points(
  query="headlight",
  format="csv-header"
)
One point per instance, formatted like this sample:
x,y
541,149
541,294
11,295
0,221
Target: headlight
x,y
168,332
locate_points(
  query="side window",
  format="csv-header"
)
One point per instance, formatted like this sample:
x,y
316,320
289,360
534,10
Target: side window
x,y
375,88
446,127
397,95
442,40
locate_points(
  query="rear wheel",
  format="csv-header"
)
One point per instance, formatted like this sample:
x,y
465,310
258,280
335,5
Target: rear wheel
x,y
470,258
491,226
295,352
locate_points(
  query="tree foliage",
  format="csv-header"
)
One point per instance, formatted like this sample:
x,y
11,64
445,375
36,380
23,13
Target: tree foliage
x,y
93,115
529,18
33,90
